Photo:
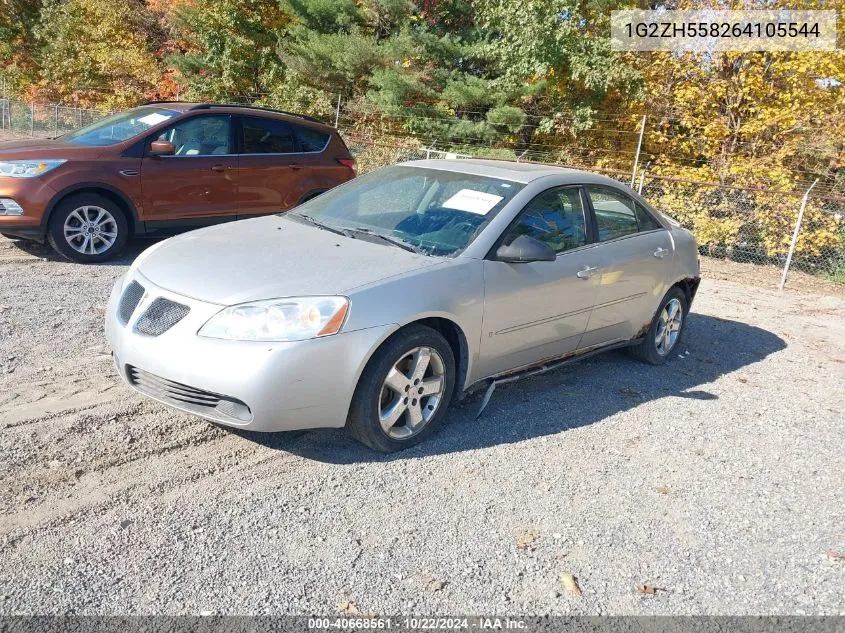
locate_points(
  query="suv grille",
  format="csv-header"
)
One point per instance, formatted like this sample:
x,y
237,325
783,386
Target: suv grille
x,y
162,315
129,301
187,398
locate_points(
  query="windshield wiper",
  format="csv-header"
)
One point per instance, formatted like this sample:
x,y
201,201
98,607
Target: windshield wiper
x,y
395,241
317,223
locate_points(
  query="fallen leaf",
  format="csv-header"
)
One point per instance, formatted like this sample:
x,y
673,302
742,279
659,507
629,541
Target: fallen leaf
x,y
432,583
526,538
664,489
835,555
346,606
649,590
570,584
742,380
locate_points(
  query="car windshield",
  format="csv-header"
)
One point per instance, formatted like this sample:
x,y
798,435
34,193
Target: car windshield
x,y
433,211
119,127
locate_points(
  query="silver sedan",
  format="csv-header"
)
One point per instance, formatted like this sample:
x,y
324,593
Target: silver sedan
x,y
374,304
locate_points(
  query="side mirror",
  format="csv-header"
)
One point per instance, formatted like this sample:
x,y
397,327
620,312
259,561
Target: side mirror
x,y
162,148
525,249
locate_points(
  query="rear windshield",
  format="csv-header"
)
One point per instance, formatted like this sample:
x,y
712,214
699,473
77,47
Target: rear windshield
x,y
119,127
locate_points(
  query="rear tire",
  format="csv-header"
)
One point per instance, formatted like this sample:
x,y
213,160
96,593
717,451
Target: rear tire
x,y
404,391
88,228
667,327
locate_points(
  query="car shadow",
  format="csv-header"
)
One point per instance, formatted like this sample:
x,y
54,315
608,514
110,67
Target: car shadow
x,y
133,248
567,398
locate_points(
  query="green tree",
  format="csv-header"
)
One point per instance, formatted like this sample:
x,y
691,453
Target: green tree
x,y
17,45
97,52
228,48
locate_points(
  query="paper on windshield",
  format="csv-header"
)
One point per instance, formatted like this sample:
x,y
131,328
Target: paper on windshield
x,y
473,201
153,119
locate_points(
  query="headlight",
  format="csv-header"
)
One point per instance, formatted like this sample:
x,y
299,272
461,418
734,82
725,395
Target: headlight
x,y
27,168
293,319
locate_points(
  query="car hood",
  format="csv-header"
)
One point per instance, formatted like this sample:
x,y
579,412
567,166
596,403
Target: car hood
x,y
23,149
270,257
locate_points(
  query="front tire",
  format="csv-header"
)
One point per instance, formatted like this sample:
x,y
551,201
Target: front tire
x,y
404,391
88,228
665,330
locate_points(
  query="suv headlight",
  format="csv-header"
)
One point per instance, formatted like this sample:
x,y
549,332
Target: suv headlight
x,y
27,168
290,319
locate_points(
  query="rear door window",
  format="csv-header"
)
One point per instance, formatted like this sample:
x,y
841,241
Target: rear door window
x,y
310,140
615,215
645,220
267,136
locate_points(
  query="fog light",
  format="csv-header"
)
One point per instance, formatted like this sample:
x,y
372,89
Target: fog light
x,y
9,207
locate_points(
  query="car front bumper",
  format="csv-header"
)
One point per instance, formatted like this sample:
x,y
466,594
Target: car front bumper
x,y
34,198
260,386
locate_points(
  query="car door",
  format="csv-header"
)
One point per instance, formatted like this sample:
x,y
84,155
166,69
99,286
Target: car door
x,y
539,310
637,253
200,179
273,173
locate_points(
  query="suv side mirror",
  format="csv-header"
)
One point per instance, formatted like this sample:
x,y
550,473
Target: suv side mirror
x,y
525,249
162,148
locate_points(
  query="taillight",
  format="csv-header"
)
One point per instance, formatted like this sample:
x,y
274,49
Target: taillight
x,y
348,162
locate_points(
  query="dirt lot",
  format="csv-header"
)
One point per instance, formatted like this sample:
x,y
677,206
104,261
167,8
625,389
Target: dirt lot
x,y
718,479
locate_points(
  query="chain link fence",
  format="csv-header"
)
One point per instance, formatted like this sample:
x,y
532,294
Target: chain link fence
x,y
732,224
751,225
19,118
370,154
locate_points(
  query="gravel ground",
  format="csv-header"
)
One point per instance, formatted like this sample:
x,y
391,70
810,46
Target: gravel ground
x,y
719,479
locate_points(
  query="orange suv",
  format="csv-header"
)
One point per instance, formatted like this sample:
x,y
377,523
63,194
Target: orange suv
x,y
161,168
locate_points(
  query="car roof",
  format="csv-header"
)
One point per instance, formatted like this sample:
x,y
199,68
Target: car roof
x,y
510,170
188,106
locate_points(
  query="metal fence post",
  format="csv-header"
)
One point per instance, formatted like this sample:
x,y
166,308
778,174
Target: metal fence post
x,y
337,112
637,157
795,234
56,120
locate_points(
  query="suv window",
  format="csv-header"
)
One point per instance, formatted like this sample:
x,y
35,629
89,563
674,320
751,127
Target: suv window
x,y
645,220
615,215
555,217
267,136
203,135
310,140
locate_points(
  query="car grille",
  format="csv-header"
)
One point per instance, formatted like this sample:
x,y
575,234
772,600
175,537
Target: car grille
x,y
162,315
187,398
129,301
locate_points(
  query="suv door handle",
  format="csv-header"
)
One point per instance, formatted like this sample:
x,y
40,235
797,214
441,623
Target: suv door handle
x,y
660,252
586,272
219,168
295,166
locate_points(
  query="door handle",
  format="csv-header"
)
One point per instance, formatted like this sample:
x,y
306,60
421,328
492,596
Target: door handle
x,y
660,252
220,168
586,272
295,166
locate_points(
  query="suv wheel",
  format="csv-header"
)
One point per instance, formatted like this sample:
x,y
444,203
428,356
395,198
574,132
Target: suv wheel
x,y
665,330
88,228
403,392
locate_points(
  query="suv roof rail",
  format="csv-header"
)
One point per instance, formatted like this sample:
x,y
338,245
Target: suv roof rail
x,y
208,106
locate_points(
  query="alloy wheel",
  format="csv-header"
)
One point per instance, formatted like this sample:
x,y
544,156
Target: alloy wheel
x,y
669,327
411,393
90,230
